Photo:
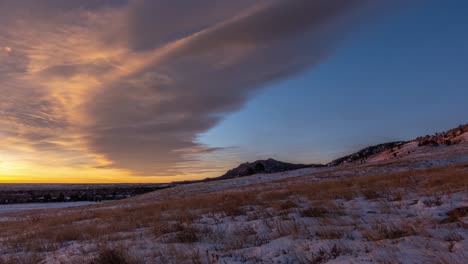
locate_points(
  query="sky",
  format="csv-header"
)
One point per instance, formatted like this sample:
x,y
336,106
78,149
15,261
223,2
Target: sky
x,y
158,91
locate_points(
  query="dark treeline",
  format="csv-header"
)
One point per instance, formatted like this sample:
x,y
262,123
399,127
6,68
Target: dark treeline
x,y
76,194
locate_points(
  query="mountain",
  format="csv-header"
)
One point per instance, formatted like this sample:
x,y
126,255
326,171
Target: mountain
x,y
392,150
381,152
262,166
250,168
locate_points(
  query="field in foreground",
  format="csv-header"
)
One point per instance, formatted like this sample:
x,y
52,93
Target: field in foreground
x,y
399,211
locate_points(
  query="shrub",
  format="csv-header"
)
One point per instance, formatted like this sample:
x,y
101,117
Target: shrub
x,y
188,234
329,233
388,231
112,256
287,205
455,214
433,202
314,212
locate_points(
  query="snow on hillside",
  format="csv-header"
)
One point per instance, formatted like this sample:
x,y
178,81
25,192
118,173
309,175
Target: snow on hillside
x,y
407,209
426,145
463,137
412,149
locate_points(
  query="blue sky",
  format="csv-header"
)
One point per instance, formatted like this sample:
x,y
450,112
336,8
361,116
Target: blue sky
x,y
395,77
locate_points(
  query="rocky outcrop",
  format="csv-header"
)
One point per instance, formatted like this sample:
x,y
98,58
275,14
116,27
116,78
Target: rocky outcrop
x,y
262,166
451,137
363,154
447,138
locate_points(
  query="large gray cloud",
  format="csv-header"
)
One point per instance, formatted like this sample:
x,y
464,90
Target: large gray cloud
x,y
149,121
137,81
47,8
154,23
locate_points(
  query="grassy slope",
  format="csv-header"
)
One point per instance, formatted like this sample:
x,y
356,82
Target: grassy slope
x,y
387,212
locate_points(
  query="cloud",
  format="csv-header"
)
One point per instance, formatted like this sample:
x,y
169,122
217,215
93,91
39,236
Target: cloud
x,y
131,84
45,9
153,23
189,84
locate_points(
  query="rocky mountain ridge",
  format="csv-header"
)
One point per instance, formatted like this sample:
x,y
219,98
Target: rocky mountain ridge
x,y
397,149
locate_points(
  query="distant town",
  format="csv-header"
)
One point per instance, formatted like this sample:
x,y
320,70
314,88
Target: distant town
x,y
43,193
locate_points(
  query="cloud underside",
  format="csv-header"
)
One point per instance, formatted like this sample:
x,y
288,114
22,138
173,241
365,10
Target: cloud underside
x,y
131,84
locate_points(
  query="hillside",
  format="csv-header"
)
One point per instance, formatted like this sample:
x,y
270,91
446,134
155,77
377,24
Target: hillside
x,y
411,209
398,149
381,152
256,167
453,136
362,155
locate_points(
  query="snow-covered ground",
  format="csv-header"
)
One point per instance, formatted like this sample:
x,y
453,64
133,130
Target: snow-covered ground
x,y
408,209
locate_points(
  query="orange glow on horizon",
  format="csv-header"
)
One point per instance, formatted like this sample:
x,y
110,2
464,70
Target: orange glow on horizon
x,y
14,169
18,174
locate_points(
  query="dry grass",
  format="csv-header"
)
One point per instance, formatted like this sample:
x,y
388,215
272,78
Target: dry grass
x,y
21,259
314,212
323,255
387,185
456,214
329,233
115,255
453,237
388,230
175,219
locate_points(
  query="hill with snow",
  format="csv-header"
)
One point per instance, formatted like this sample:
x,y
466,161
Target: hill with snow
x,y
406,208
399,149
